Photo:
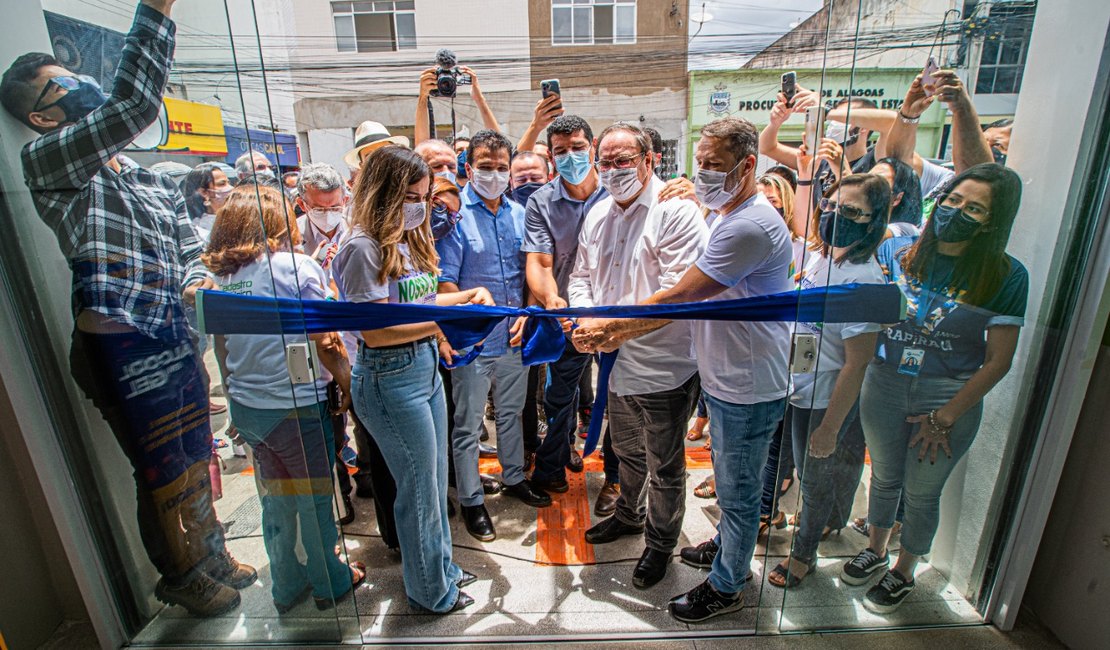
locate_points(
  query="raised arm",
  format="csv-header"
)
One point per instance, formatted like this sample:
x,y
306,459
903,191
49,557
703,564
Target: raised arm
x,y
969,145
67,158
489,120
769,144
422,128
547,110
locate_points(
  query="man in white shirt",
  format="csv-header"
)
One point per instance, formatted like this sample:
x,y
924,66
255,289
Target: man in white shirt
x,y
743,365
632,246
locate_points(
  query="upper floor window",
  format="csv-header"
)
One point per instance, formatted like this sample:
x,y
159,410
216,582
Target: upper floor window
x,y
593,22
1005,45
378,26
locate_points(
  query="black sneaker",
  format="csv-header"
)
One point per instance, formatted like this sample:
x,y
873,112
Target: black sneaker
x,y
862,567
886,596
704,602
700,556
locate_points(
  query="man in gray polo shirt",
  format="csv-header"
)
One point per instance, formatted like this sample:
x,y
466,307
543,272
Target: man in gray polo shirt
x,y
553,219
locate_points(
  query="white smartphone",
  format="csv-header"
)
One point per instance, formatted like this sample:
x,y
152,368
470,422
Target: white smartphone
x,y
927,78
815,128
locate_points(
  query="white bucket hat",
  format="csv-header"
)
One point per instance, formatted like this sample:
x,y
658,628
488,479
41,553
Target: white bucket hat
x,y
371,135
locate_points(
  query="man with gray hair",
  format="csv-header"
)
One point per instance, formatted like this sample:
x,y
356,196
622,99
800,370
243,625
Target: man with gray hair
x,y
253,162
743,365
322,195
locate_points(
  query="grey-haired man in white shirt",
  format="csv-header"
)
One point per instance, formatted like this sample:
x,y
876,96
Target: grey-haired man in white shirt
x,y
632,246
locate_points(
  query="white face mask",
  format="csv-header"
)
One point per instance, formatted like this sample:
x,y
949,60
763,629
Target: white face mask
x,y
449,175
326,220
415,214
489,184
622,184
836,131
709,187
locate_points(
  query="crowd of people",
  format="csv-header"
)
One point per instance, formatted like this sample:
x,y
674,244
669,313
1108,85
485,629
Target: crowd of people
x,y
562,218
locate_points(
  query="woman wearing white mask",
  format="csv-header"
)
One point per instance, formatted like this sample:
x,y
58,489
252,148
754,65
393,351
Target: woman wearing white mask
x,y
205,189
389,257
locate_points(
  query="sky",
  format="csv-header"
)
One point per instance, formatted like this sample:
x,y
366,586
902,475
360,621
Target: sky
x,y
738,29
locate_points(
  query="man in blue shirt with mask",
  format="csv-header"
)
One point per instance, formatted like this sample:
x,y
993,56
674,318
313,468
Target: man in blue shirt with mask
x,y
484,251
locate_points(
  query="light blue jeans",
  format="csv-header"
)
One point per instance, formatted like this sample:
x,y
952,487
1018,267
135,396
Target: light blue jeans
x,y
887,399
398,395
294,449
470,386
740,435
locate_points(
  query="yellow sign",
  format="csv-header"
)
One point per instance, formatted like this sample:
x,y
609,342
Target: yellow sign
x,y
196,129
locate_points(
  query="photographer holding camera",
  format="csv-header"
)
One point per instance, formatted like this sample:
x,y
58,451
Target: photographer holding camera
x,y
442,81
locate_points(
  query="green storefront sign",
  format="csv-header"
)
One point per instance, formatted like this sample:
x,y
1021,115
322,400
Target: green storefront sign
x,y
750,94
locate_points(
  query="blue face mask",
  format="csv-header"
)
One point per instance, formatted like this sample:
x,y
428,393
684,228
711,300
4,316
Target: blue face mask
x,y
443,221
521,193
573,166
84,97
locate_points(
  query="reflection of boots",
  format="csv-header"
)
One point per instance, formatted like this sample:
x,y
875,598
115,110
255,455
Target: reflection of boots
x,y
205,534
167,504
227,570
199,594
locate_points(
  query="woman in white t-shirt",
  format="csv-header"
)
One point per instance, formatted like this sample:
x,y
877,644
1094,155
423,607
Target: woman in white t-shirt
x,y
287,425
823,403
389,257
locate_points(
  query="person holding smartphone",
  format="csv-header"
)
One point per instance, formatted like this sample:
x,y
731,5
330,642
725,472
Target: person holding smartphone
x,y
397,393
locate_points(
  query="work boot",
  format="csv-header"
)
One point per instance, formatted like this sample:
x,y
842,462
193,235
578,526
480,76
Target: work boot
x,y
200,595
606,503
227,570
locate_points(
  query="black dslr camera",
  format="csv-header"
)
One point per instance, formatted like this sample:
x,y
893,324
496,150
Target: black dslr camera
x,y
448,76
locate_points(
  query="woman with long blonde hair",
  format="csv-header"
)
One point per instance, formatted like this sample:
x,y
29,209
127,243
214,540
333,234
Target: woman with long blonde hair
x,y
286,425
390,257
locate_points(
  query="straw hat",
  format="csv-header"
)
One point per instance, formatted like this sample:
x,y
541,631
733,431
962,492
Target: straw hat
x,y
369,136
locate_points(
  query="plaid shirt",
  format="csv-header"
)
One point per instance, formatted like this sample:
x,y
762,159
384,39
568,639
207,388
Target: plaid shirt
x,y
127,236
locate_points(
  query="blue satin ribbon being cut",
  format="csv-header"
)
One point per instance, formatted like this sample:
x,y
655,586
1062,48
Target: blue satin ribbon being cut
x,y
543,342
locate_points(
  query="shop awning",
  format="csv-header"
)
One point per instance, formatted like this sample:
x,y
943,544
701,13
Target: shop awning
x,y
279,147
195,129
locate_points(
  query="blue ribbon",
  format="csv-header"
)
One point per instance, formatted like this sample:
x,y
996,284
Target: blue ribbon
x,y
543,340
605,361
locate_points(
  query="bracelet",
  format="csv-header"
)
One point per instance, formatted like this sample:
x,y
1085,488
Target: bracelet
x,y
907,119
802,183
937,427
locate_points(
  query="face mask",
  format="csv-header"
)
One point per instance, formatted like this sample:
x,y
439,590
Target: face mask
x,y
573,166
622,184
709,187
325,220
82,100
781,211
951,224
415,213
847,232
999,157
268,173
489,184
447,175
443,221
521,193
840,133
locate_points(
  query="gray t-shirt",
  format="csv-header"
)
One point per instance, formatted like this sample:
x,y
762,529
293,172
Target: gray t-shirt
x,y
551,226
356,268
749,252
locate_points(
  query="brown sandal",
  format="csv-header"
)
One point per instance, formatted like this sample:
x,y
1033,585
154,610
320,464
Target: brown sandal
x,y
707,489
697,432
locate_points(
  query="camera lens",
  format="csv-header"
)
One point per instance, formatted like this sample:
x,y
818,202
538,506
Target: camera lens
x,y
445,84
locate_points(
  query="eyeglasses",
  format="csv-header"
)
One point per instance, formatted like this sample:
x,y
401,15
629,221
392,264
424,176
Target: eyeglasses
x,y
624,162
972,209
847,211
65,82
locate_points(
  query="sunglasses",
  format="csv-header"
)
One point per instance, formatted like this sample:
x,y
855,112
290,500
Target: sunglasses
x,y
65,82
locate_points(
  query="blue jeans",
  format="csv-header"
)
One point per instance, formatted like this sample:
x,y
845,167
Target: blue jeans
x,y
560,405
887,399
825,481
740,435
294,449
471,384
398,395
779,467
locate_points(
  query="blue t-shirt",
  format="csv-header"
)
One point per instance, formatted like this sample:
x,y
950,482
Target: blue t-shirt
x,y
944,336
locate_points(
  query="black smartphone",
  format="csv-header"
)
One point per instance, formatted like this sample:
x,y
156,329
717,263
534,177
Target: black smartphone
x,y
789,87
550,87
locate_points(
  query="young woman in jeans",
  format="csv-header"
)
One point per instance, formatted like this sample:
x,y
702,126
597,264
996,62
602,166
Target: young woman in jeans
x,y
390,257
922,397
851,226
286,425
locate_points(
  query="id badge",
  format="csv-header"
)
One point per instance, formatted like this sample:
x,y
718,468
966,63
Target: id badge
x,y
912,358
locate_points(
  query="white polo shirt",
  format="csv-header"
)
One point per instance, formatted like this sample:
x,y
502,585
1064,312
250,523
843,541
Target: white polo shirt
x,y
626,255
749,252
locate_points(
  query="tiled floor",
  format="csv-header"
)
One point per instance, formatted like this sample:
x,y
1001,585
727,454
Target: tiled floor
x,y
516,598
